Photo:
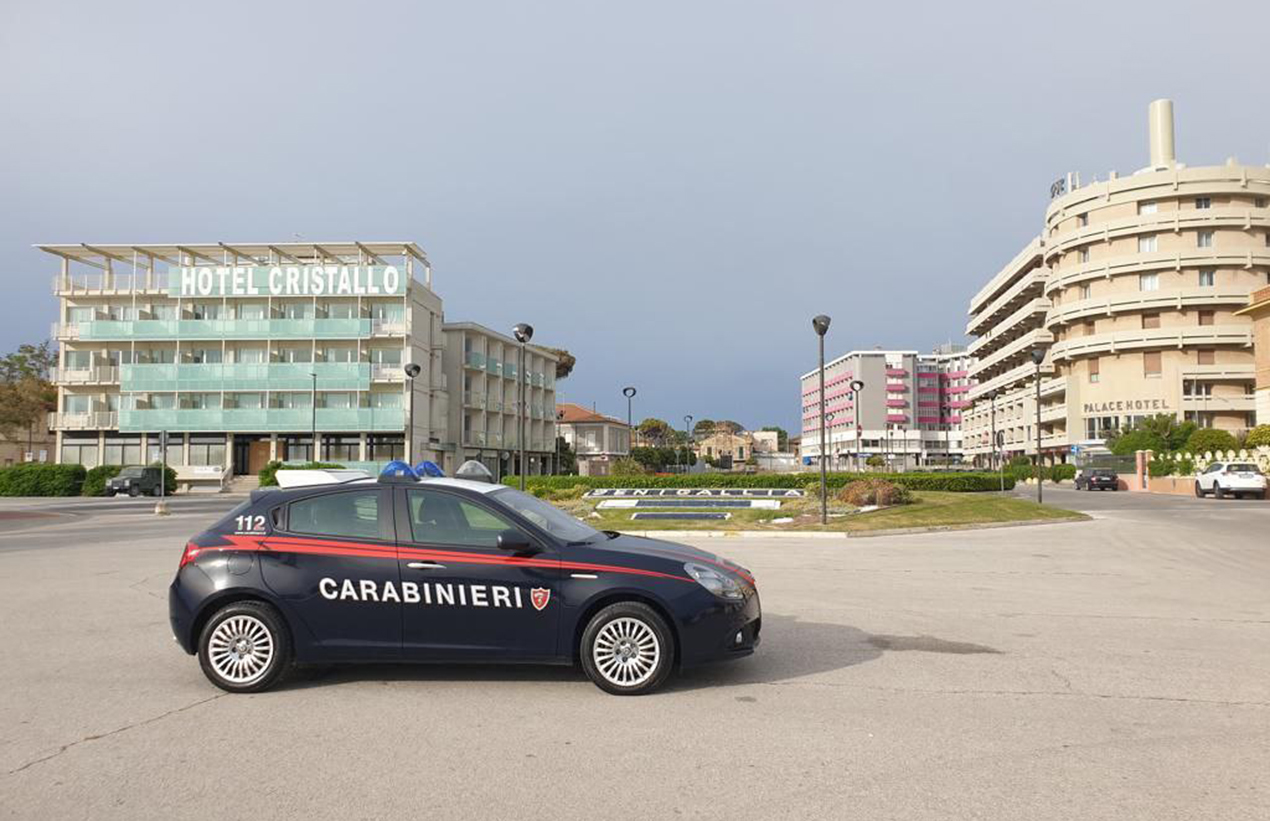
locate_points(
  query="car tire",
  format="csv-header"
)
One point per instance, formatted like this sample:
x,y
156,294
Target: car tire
x,y
245,647
134,491
1218,491
110,492
1199,491
157,491
627,649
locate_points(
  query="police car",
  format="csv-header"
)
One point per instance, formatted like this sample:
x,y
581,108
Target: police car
x,y
343,567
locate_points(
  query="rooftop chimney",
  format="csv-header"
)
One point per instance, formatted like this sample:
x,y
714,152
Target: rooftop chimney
x,y
1160,123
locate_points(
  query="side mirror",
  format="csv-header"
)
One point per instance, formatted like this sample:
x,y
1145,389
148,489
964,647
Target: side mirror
x,y
513,541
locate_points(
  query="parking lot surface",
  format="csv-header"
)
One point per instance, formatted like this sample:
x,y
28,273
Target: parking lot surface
x,y
1111,669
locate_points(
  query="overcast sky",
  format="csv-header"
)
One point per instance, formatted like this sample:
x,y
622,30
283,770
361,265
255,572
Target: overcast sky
x,y
670,190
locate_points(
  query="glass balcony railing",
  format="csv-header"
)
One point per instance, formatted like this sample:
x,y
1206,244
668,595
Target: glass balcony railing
x,y
472,359
189,376
262,420
162,329
494,366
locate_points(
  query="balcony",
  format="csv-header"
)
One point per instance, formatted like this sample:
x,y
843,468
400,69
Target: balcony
x,y
896,372
99,375
493,366
897,403
472,359
191,376
96,420
1243,219
380,372
1146,301
1146,338
389,327
473,400
1000,333
474,439
1022,373
897,417
262,420
215,329
1219,404
1159,261
1013,353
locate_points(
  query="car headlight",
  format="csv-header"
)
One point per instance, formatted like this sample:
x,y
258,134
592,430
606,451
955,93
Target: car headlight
x,y
718,583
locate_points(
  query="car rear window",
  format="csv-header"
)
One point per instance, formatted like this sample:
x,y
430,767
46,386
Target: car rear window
x,y
1104,473
1240,467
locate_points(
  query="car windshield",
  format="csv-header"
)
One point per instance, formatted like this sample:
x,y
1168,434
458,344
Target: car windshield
x,y
132,473
546,515
1241,467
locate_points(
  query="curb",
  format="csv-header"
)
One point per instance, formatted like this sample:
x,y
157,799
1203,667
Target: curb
x,y
834,534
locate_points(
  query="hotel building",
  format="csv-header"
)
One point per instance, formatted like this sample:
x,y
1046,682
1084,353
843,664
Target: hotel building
x,y
1131,293
241,352
909,411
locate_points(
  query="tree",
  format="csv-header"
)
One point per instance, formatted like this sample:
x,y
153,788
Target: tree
x,y
626,466
568,459
656,432
565,363
782,436
728,426
25,392
656,460
1160,433
1210,440
1258,437
704,427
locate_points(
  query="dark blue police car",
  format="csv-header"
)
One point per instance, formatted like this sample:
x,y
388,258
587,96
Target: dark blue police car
x,y
447,570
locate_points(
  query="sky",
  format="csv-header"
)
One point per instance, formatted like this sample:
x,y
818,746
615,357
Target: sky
x,y
670,190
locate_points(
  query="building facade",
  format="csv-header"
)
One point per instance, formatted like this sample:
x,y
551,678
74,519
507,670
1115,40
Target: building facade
x,y
481,367
1130,295
596,439
241,353
908,412
1258,311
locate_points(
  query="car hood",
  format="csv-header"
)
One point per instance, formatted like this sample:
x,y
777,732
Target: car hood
x,y
661,549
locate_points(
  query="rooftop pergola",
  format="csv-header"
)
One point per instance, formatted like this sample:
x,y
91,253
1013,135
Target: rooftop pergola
x,y
144,257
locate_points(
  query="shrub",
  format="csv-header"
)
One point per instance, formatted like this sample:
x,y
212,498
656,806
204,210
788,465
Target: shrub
x,y
1170,464
875,461
875,492
1258,437
269,473
95,480
1020,461
1062,473
169,478
41,479
1207,440
626,466
968,482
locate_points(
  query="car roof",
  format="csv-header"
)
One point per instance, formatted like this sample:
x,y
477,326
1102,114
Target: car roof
x,y
315,489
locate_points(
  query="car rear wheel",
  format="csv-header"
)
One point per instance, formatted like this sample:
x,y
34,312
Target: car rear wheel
x,y
110,491
627,649
1218,491
245,647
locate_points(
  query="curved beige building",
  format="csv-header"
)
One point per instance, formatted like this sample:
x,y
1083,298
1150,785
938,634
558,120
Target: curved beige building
x,y
1131,291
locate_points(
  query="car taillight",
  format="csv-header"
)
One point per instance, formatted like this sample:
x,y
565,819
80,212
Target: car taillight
x,y
191,553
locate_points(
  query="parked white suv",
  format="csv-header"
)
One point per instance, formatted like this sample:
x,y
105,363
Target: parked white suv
x,y
1231,479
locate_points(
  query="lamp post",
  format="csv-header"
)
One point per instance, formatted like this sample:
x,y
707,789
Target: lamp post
x,y
629,393
559,419
1037,356
313,420
523,334
412,370
857,387
687,441
1000,440
996,439
820,324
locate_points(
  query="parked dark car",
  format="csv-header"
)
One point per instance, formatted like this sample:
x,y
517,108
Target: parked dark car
x,y
136,481
1097,479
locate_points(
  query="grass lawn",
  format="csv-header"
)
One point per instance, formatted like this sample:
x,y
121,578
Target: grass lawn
x,y
929,509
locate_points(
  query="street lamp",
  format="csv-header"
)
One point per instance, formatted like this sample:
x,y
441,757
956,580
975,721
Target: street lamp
x,y
523,334
412,370
687,440
559,419
629,393
857,387
1038,355
820,324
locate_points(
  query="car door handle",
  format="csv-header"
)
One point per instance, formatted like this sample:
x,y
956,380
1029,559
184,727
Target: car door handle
x,y
425,566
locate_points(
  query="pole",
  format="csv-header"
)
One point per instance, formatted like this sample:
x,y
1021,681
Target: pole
x,y
317,457
995,461
410,427
520,430
824,496
1040,480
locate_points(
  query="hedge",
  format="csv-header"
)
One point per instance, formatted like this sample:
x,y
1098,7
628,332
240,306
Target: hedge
x,y
269,473
1053,473
41,479
957,482
95,480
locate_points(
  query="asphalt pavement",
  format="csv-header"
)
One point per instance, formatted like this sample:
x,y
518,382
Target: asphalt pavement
x,y
1117,668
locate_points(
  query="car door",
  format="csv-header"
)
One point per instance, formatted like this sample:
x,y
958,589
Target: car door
x,y
1210,475
332,560
463,596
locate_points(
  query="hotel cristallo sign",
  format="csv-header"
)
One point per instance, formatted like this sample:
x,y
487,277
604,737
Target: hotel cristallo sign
x,y
288,280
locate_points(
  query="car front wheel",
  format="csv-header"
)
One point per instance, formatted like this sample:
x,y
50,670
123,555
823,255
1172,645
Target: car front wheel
x,y
1199,490
245,647
627,649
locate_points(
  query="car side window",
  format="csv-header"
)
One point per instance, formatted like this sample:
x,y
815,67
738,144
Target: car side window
x,y
442,518
1213,468
342,515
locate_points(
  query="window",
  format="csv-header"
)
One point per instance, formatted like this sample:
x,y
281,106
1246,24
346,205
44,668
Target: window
x,y
347,515
1206,357
440,518
296,310
245,401
176,449
1203,202
122,449
1147,245
1148,207
1151,364
383,447
1148,282
291,399
1207,317
1207,278
1086,290
1084,255
1093,370
1259,202
342,448
251,310
1205,239
207,449
1150,321
1088,327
